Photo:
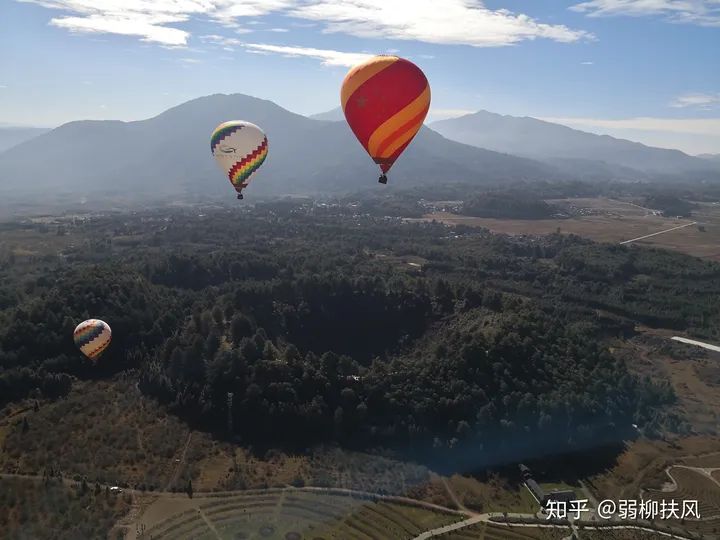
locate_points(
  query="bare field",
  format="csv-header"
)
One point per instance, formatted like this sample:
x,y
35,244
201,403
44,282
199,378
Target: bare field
x,y
613,221
693,373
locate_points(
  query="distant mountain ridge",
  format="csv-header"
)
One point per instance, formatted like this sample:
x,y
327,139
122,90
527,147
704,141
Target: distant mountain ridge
x,y
169,154
334,115
538,139
11,135
710,157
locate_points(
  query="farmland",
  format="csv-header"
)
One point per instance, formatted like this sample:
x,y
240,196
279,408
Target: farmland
x,y
287,513
610,220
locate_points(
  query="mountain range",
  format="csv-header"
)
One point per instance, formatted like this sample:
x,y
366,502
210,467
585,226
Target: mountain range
x,y
169,154
558,144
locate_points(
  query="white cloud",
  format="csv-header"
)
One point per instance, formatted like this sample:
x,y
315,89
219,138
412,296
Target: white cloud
x,y
279,30
465,22
426,56
327,57
2,86
703,101
456,22
146,19
700,12
189,60
586,63
220,40
228,11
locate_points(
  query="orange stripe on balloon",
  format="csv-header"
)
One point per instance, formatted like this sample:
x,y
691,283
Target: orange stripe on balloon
x,y
358,75
399,121
401,135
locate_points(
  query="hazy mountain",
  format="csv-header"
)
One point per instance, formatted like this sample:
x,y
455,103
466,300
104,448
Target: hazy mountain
x,y
170,154
11,136
541,140
334,115
715,158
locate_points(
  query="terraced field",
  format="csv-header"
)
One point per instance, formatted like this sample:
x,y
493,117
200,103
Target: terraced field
x,y
292,514
693,486
492,531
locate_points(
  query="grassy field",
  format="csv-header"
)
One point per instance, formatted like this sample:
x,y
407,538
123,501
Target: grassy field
x,y
620,534
33,509
496,495
614,221
105,431
286,514
693,372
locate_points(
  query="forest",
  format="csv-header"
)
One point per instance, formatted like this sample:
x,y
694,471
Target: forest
x,y
508,205
332,325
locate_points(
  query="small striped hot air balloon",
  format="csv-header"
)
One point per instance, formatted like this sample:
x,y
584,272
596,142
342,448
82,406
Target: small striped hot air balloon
x,y
239,148
92,337
385,101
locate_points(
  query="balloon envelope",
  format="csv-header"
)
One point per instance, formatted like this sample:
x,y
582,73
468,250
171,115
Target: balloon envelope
x,y
92,337
385,101
239,148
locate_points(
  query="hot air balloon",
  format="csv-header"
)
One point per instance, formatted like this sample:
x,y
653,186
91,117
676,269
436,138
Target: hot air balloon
x,y
240,148
385,101
92,337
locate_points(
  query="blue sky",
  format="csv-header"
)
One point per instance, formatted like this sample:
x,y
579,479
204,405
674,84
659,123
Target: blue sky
x,y
648,70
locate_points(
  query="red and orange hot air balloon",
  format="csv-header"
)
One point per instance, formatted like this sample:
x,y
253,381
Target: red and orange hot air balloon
x,y
385,101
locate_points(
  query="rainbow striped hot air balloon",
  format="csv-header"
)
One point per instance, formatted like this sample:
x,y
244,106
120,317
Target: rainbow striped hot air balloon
x,y
240,148
385,101
92,337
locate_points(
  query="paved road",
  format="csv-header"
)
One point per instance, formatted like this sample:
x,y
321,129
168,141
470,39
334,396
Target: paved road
x,y
453,527
697,343
659,232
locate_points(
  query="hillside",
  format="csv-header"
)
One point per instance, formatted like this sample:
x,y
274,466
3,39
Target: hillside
x,y
11,135
169,154
538,139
